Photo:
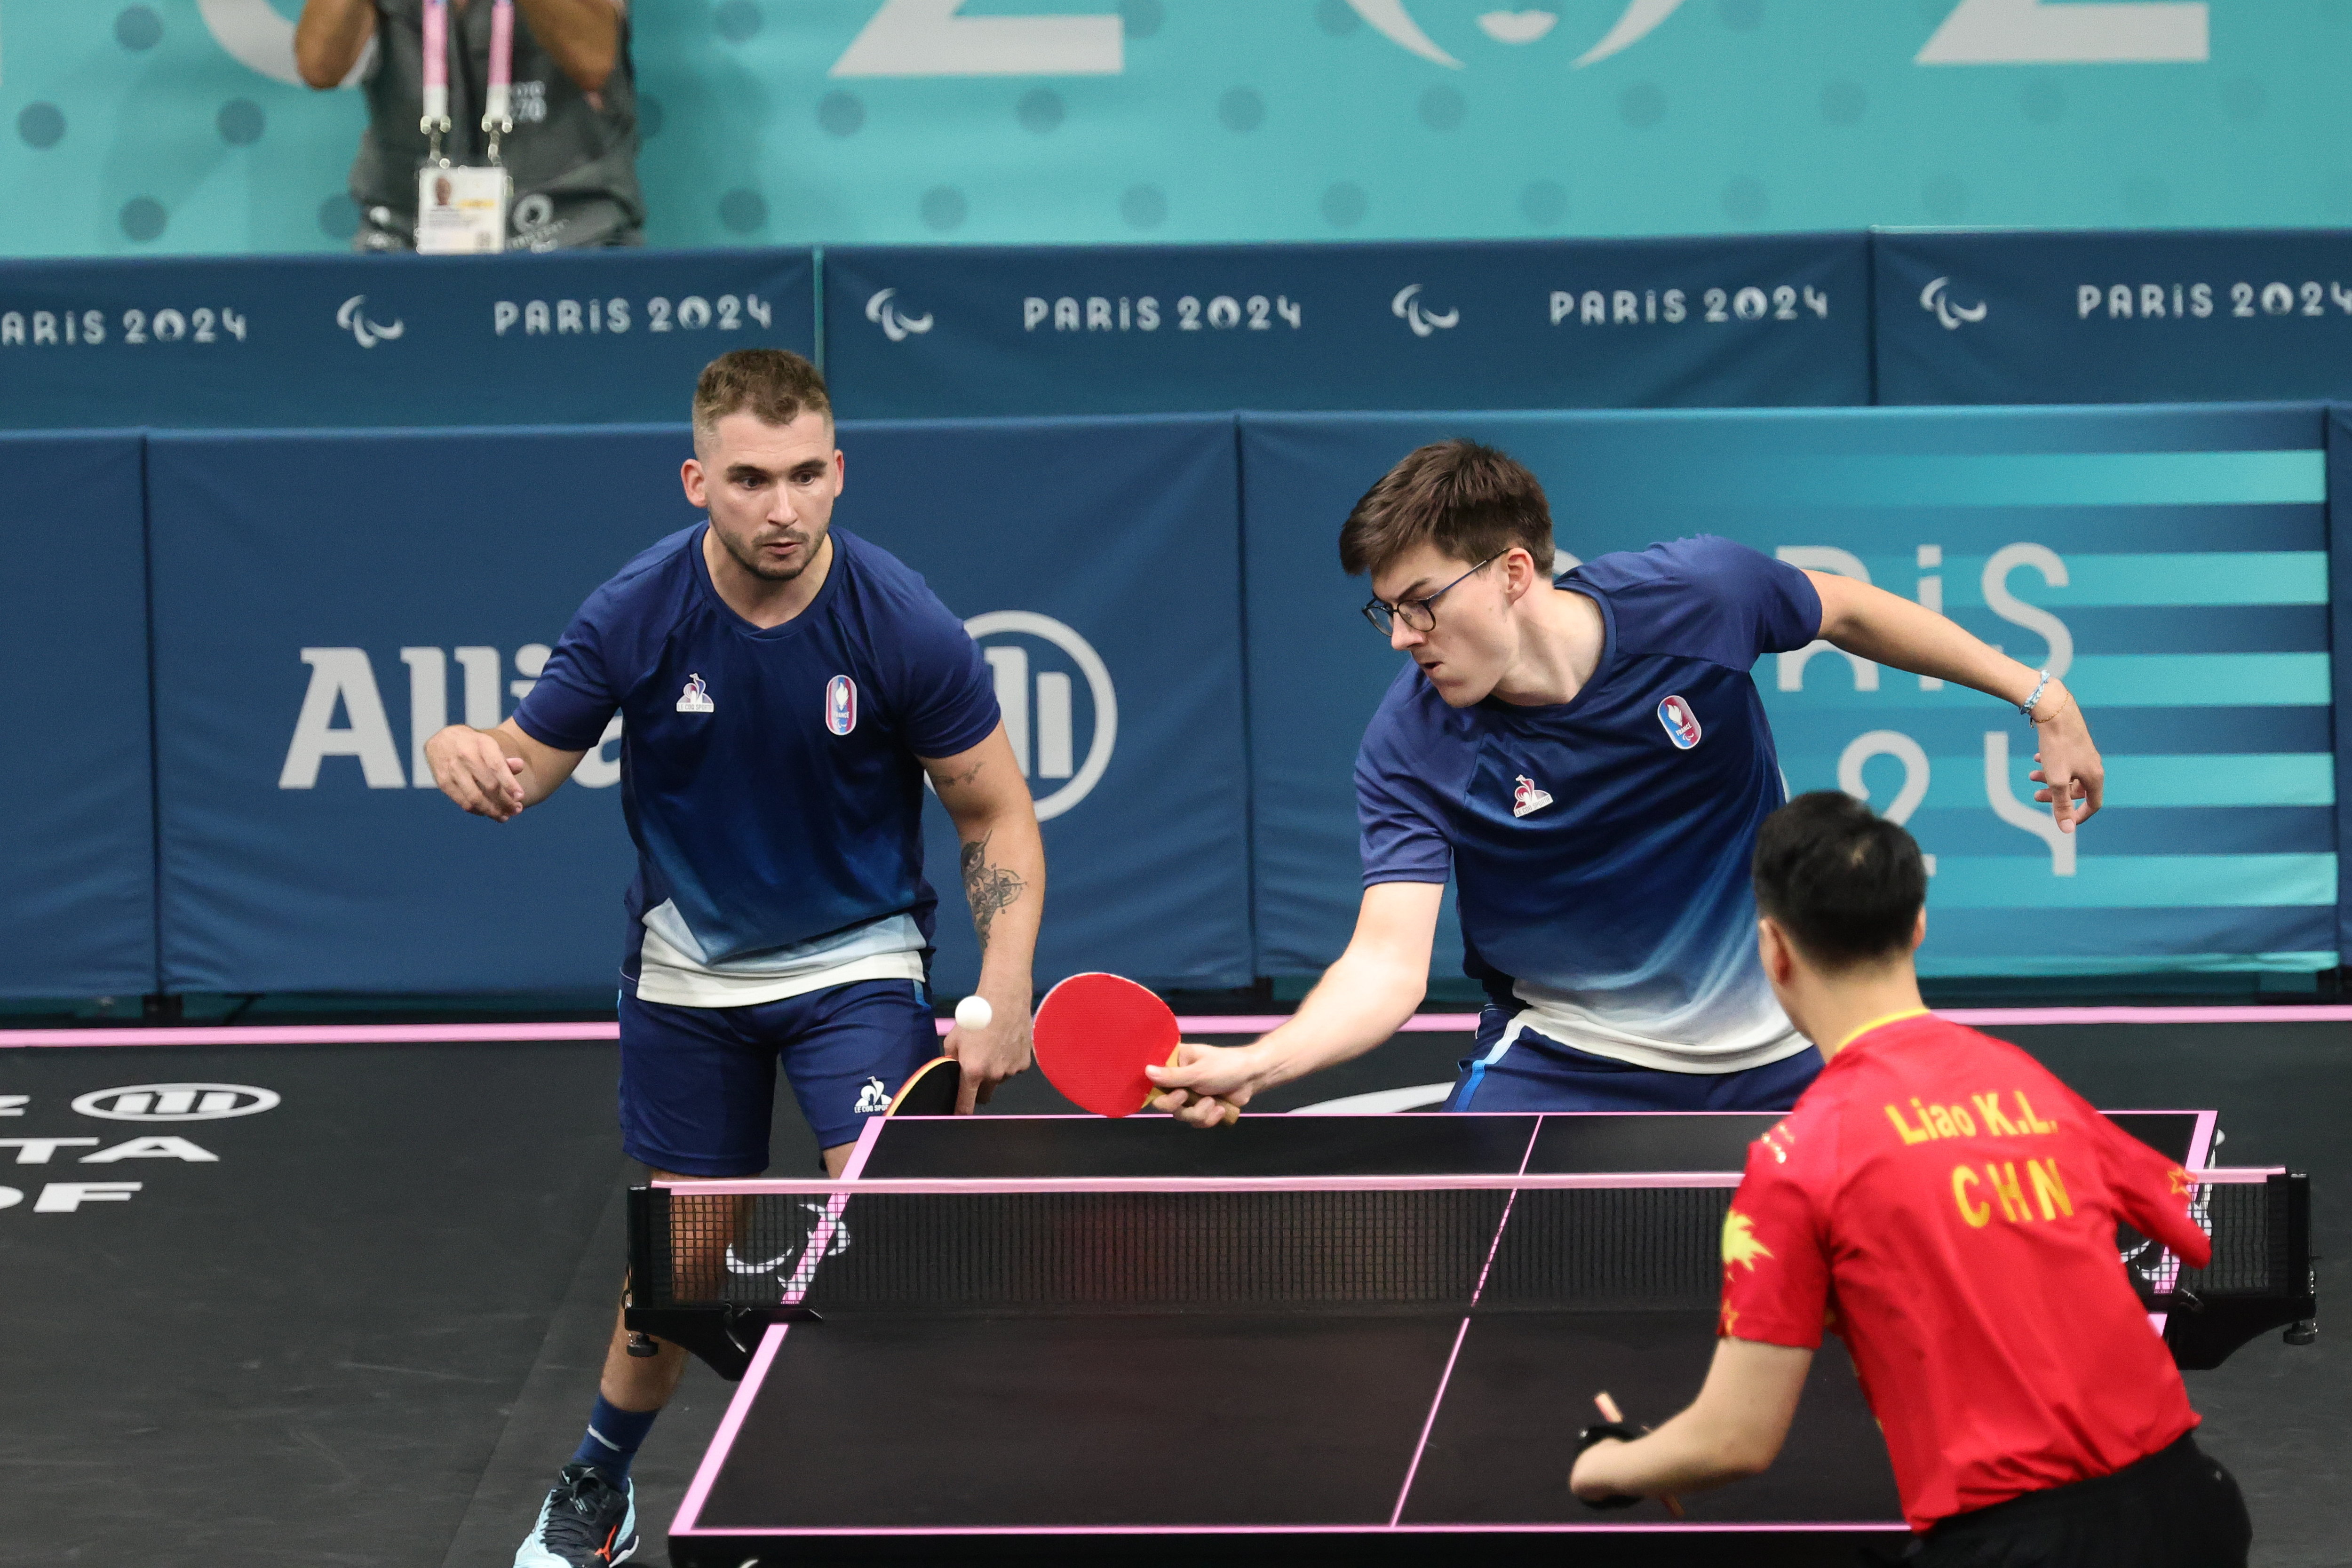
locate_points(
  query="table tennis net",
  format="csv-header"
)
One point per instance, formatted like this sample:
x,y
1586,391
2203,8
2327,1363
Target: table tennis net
x,y
1363,1248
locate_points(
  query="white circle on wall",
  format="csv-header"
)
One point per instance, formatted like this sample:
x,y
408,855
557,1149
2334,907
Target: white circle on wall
x,y
1028,623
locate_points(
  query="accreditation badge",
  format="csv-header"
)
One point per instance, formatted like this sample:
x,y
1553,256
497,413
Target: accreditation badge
x,y
461,209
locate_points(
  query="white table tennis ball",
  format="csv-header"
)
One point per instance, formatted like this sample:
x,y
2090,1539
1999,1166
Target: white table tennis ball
x,y
974,1012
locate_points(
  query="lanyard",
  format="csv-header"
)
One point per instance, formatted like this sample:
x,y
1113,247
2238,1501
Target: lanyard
x,y
497,107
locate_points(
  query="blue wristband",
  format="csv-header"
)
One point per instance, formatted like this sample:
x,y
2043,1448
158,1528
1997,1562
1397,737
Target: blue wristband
x,y
2026,708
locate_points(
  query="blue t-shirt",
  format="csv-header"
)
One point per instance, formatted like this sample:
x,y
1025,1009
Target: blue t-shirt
x,y
768,776
1600,848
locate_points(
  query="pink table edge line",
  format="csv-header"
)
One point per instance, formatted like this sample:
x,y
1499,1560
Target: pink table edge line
x,y
1206,1025
739,1408
1760,1527
1576,1181
1446,1378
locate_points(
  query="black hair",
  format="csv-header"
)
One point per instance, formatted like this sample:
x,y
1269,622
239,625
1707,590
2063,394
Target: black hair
x,y
1846,884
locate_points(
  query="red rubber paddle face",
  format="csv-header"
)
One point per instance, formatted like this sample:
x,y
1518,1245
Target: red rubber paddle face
x,y
1095,1035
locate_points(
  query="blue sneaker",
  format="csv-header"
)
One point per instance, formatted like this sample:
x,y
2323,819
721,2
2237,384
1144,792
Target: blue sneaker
x,y
587,1523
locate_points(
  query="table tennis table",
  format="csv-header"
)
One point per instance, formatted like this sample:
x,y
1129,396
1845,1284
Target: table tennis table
x,y
1319,1337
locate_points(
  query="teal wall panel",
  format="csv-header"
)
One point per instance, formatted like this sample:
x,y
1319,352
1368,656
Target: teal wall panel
x,y
174,124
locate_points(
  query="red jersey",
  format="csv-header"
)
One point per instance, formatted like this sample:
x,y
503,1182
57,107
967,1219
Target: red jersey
x,y
1949,1208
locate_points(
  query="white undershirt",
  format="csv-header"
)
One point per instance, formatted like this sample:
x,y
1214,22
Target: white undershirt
x,y
671,974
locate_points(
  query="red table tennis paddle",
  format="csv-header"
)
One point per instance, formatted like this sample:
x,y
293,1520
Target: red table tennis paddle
x,y
931,1091
1095,1033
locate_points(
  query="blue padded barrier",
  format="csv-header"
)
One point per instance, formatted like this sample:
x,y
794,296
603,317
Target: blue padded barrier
x,y
77,820
324,602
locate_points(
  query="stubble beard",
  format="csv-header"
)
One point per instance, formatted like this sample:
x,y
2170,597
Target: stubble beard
x,y
810,545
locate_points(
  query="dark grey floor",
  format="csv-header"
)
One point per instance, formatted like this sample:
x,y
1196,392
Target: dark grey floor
x,y
368,1332
2280,1417
305,1349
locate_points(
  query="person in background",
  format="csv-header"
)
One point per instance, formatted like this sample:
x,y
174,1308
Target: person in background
x,y
573,152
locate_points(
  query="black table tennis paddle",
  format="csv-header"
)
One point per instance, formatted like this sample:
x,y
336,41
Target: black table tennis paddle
x,y
932,1090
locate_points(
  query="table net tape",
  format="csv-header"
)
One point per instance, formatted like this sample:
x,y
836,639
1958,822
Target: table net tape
x,y
1369,1250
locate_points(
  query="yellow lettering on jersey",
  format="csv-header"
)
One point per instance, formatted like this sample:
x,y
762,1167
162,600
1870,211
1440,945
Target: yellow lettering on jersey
x,y
1962,1120
1940,1118
1989,1105
2031,1120
2046,1186
2003,1181
1910,1134
1976,1215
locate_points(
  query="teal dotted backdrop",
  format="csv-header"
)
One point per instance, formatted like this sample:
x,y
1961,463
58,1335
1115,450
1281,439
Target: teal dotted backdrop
x,y
166,126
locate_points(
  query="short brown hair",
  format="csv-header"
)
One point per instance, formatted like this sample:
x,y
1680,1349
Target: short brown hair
x,y
775,385
1471,501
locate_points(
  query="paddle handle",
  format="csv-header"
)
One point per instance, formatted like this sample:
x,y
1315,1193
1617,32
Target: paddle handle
x,y
1232,1114
1616,1418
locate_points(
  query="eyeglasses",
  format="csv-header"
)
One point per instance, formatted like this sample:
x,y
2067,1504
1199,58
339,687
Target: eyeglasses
x,y
1420,615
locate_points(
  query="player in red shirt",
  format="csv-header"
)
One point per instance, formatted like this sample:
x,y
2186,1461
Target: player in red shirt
x,y
1947,1207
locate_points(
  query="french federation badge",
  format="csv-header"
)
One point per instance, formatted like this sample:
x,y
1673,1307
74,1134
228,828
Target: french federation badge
x,y
1682,725
841,705
696,698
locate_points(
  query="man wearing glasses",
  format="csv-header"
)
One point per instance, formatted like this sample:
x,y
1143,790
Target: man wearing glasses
x,y
1589,760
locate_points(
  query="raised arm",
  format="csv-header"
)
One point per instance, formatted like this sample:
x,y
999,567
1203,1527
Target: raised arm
x,y
1359,1001
1003,863
330,38
584,36
496,773
1889,629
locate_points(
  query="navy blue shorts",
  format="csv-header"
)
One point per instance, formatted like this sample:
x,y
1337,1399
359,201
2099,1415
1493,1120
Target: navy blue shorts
x,y
698,1084
1540,1074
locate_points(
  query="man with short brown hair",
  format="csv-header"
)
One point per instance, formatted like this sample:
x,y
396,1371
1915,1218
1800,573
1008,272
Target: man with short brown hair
x,y
785,688
1589,759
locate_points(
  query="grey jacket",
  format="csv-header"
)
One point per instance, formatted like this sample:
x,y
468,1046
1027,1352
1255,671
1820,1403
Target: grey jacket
x,y
575,163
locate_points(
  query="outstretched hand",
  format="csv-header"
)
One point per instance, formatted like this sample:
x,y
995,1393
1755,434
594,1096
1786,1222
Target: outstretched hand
x,y
1207,1085
2072,776
474,770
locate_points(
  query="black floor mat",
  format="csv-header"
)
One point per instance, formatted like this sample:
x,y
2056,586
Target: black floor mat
x,y
303,1349
367,1332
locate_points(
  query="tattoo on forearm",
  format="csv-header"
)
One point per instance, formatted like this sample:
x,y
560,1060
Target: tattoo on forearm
x,y
965,777
989,888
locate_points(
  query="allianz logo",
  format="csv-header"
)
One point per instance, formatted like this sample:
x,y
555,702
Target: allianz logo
x,y
1060,707
343,713
1059,702
1673,307
176,1101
